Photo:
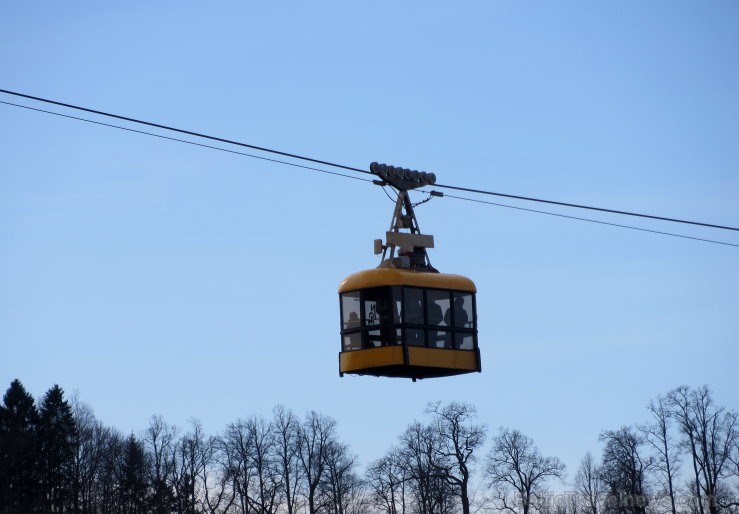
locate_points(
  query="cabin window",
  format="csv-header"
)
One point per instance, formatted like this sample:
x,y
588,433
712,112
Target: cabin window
x,y
463,341
352,341
374,339
414,305
350,310
390,315
381,306
415,337
463,310
440,339
438,307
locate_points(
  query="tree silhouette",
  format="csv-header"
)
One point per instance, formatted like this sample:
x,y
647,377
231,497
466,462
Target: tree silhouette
x,y
624,471
657,433
286,430
316,435
459,439
516,466
133,486
421,449
386,478
18,451
588,485
57,433
57,458
711,435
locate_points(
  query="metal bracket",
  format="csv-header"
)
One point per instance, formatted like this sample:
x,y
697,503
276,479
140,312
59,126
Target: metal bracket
x,y
405,250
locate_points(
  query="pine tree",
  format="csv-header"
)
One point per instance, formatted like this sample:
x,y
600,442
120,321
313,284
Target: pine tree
x,y
57,433
133,485
18,451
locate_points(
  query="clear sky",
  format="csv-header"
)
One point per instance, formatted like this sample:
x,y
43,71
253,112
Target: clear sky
x,y
160,278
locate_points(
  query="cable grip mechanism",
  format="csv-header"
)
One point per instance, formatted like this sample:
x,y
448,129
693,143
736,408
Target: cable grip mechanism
x,y
405,246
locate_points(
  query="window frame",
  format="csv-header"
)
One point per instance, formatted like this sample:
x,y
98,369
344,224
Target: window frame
x,y
399,323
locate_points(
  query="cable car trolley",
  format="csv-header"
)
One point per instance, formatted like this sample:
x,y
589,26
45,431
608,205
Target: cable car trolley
x,y
404,318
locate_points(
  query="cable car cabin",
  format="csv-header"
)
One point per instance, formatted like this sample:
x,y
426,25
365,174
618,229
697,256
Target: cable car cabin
x,y
404,318
406,323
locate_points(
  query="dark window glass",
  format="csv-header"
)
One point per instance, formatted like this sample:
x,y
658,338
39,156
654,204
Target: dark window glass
x,y
440,339
464,341
385,336
379,306
463,310
414,337
438,307
413,305
397,304
374,339
352,341
350,310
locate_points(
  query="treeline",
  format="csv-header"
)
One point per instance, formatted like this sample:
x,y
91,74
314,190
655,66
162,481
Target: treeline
x,y
58,457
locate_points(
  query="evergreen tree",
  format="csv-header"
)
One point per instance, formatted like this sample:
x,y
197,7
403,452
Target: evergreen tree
x,y
57,435
133,485
18,451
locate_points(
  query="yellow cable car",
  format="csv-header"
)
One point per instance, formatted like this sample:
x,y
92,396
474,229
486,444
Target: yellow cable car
x,y
404,318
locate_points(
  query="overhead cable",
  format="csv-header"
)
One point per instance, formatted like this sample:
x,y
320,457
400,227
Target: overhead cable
x,y
183,131
359,170
630,227
189,142
211,147
579,206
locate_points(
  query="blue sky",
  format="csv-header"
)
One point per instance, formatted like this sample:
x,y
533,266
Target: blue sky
x,y
160,278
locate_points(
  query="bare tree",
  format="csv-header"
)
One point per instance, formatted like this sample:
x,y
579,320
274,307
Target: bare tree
x,y
710,436
515,465
734,468
386,480
86,455
236,457
343,487
657,435
357,499
459,440
573,502
250,463
108,477
588,485
420,455
316,434
286,440
624,471
188,470
266,498
218,493
159,440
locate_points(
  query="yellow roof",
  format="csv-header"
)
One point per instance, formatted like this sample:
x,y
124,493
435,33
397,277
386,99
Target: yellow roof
x,y
403,277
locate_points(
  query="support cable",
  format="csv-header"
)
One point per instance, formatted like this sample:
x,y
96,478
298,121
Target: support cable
x,y
591,220
183,131
189,142
341,166
359,178
580,206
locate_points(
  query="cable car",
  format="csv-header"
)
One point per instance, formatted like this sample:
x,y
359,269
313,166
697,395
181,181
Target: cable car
x,y
404,318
